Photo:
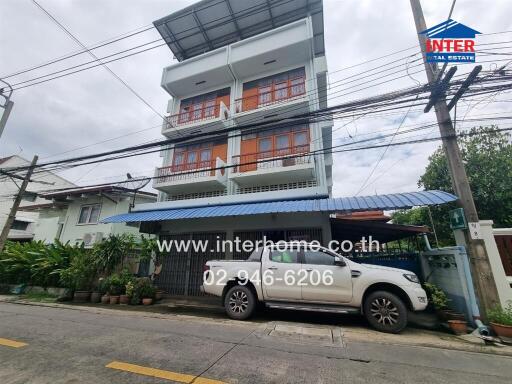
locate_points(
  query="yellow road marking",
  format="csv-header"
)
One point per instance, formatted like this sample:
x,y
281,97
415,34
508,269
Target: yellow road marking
x,y
12,343
161,374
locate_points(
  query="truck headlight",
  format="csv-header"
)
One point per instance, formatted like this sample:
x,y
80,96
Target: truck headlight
x,y
412,278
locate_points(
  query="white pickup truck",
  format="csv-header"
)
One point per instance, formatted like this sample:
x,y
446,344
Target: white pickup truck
x,y
314,279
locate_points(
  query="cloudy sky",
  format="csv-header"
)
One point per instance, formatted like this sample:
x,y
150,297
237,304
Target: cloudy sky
x,y
91,111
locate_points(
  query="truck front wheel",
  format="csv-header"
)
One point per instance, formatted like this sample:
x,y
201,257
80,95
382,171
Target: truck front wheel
x,y
385,312
240,302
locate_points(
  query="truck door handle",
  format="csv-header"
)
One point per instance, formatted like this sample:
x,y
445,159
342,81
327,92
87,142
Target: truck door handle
x,y
309,269
272,268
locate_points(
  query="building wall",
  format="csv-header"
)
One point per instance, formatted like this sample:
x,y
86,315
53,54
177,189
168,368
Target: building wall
x,y
8,188
267,222
73,232
233,66
47,227
503,283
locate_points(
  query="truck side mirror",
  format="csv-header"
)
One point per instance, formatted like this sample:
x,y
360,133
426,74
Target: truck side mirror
x,y
339,262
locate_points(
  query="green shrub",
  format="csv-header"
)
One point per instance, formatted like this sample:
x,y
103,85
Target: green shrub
x,y
501,316
144,288
116,285
35,263
437,296
80,274
109,253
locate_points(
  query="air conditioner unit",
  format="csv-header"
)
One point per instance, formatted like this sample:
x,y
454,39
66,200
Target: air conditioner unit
x,y
90,238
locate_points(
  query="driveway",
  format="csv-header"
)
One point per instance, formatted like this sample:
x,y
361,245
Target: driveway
x,y
69,344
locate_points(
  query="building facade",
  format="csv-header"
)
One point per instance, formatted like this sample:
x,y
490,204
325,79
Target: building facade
x,y
244,72
74,215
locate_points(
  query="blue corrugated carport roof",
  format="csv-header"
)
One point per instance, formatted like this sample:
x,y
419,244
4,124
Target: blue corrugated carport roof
x,y
339,204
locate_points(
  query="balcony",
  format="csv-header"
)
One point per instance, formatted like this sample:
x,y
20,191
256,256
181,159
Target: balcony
x,y
201,118
280,99
186,178
273,167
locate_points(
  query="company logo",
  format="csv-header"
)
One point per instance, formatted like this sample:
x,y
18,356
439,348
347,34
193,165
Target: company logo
x,y
450,42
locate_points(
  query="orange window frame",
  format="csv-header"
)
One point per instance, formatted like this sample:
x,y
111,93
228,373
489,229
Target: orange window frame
x,y
291,140
197,164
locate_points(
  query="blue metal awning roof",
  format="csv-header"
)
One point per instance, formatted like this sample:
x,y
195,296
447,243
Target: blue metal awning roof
x,y
328,205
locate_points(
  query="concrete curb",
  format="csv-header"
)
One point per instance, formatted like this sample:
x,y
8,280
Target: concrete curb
x,y
416,337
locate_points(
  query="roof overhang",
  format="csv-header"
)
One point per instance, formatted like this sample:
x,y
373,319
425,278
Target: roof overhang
x,y
211,24
326,205
382,232
91,191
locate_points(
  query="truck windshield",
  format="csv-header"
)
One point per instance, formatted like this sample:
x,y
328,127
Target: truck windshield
x,y
255,255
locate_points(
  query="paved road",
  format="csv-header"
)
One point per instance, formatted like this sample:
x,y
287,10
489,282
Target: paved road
x,y
76,346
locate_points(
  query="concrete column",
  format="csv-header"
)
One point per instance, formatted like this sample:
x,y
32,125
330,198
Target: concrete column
x,y
502,284
229,237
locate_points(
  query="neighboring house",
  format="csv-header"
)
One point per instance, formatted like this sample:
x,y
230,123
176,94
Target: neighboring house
x,y
74,214
25,223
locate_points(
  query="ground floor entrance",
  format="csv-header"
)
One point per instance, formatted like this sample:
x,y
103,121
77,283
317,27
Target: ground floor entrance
x,y
182,270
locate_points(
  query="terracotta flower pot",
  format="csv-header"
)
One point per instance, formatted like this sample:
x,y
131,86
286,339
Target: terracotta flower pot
x,y
114,299
81,296
502,330
459,327
147,301
124,299
105,299
159,295
95,297
450,314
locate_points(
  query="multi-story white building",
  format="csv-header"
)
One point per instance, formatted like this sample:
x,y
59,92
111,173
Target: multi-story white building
x,y
243,69
245,161
266,61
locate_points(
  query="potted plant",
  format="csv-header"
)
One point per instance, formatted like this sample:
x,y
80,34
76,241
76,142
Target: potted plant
x,y
115,289
130,290
78,276
501,321
103,287
146,291
159,294
459,327
96,293
126,277
440,301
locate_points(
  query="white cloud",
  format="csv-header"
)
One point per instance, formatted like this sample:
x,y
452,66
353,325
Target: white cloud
x,y
91,106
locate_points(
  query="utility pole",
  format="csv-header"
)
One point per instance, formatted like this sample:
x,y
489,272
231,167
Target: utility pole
x,y
5,93
481,271
16,204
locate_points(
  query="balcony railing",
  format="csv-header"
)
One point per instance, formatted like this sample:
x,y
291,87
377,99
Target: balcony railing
x,y
276,158
198,113
182,172
274,93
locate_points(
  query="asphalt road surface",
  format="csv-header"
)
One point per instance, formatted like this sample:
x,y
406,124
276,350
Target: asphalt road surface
x,y
55,345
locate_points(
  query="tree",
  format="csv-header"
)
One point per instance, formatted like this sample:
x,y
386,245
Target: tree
x,y
487,155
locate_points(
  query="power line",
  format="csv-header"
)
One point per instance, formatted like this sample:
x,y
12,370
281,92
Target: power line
x,y
95,57
346,107
333,149
80,52
384,152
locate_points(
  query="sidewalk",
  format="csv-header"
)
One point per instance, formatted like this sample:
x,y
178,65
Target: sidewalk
x,y
351,328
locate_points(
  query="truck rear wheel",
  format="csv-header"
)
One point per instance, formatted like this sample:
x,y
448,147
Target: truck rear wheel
x,y
240,302
385,312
